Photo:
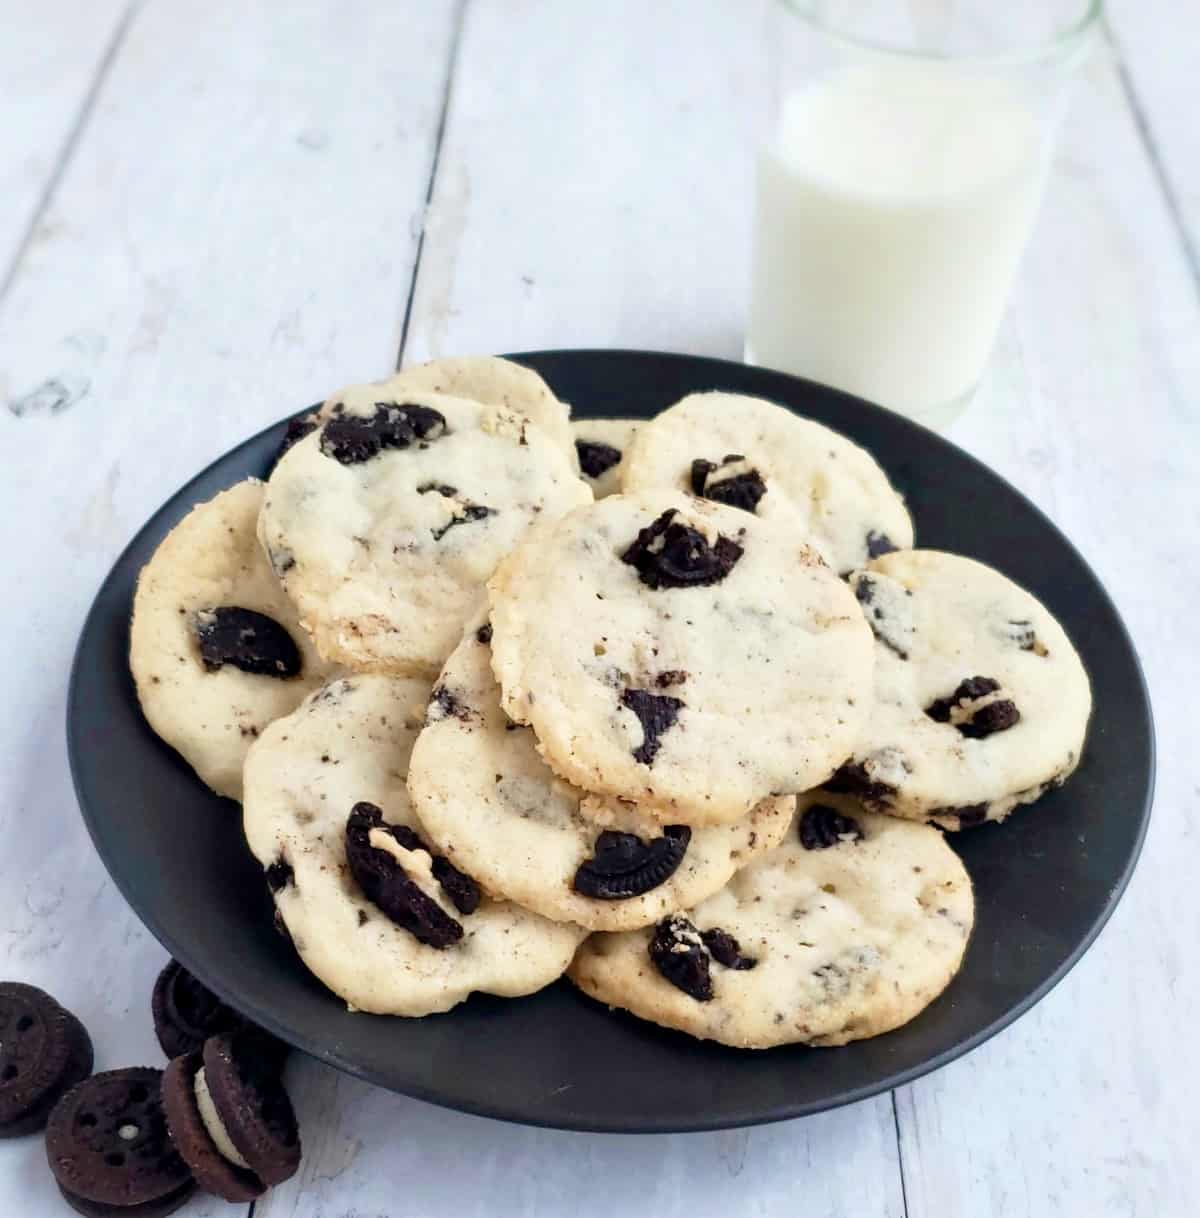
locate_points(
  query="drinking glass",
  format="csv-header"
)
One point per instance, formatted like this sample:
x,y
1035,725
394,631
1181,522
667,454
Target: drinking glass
x,y
898,185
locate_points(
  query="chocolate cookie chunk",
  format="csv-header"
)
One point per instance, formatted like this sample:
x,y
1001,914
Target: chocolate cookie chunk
x,y
44,1051
107,1144
733,482
297,428
352,439
822,827
247,640
656,713
596,458
387,885
623,865
254,1108
679,954
213,1171
668,554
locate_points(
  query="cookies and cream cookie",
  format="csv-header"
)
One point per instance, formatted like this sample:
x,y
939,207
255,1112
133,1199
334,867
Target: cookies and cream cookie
x,y
374,911
385,522
848,929
488,801
215,646
751,454
601,445
680,654
981,702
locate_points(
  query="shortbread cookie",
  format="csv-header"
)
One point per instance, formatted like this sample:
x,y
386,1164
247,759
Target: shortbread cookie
x,y
385,923
215,647
486,379
680,654
751,454
601,445
487,800
981,702
847,930
384,524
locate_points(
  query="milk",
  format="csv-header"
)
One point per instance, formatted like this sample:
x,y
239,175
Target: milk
x,y
893,206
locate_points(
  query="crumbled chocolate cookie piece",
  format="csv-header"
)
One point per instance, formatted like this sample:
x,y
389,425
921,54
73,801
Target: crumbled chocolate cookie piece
x,y
879,544
995,717
596,458
978,722
280,874
297,429
671,676
678,952
445,704
726,950
352,439
386,885
484,634
852,778
971,688
249,641
656,713
470,512
736,487
822,827
968,815
623,865
667,554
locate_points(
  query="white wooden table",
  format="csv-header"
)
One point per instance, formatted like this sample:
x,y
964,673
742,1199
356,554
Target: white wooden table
x,y
212,211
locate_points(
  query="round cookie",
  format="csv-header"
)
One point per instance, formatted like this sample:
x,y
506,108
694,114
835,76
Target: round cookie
x,y
384,524
332,776
750,453
981,702
681,654
486,798
198,1135
215,646
601,445
44,1052
849,929
108,1145
486,379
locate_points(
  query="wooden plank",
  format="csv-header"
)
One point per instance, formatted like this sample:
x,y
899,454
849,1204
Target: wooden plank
x,y
1157,41
233,237
52,53
550,172
1084,1107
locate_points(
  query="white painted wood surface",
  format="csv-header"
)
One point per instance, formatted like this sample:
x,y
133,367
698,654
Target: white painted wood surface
x,y
234,231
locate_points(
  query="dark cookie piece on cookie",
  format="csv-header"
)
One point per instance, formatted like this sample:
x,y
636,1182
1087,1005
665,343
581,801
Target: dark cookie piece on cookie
x,y
678,952
992,717
852,778
297,428
470,512
726,950
107,1143
741,489
386,885
247,640
656,713
971,687
463,892
822,827
44,1052
253,1107
352,439
596,458
967,816
995,717
195,1144
623,865
879,544
667,554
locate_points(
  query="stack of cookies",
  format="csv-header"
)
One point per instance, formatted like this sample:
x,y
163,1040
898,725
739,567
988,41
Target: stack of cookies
x,y
673,706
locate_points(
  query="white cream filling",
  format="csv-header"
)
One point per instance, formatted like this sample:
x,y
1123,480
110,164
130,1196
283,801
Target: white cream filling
x,y
213,1123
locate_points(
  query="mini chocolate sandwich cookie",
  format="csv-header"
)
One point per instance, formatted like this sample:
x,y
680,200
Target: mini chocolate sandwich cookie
x,y
200,1135
109,1149
249,1114
44,1052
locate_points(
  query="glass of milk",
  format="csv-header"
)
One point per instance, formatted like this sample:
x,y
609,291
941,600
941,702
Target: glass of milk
x,y
898,185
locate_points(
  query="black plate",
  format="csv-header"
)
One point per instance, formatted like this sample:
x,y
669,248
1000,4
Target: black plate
x,y
1045,882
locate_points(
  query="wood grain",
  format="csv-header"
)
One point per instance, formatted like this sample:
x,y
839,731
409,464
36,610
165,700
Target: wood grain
x,y
233,237
53,53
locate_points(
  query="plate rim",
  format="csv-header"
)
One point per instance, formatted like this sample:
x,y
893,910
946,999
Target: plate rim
x,y
700,1123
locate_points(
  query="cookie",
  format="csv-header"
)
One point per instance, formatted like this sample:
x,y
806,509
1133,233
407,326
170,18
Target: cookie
x,y
376,914
200,1135
44,1052
981,702
750,454
215,646
600,446
681,654
107,1144
487,800
246,1111
848,929
384,524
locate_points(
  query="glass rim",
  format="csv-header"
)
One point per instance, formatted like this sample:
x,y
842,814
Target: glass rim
x,y
1061,44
